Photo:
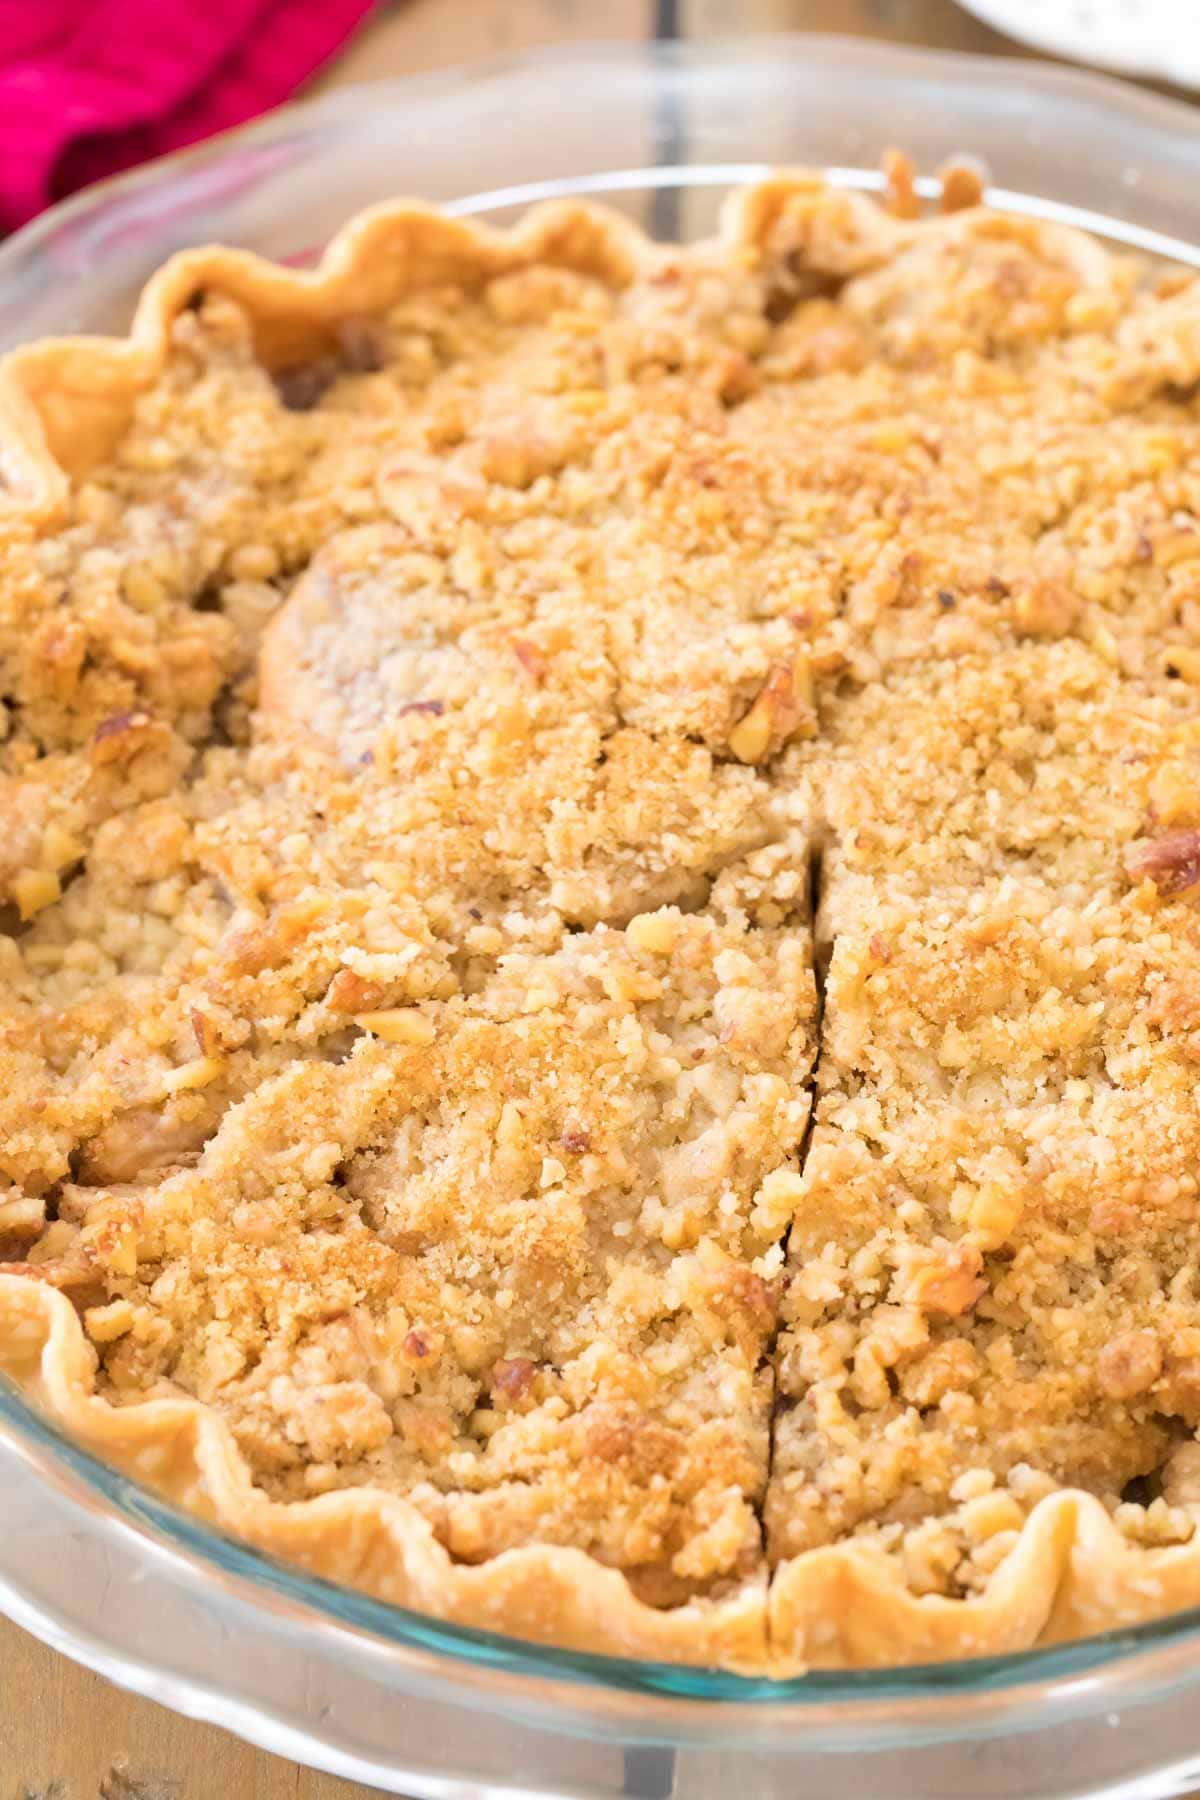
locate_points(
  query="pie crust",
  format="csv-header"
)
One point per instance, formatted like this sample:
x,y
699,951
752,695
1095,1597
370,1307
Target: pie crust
x,y
429,678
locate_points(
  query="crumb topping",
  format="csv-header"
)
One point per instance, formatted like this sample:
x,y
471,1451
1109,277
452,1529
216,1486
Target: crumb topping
x,y
412,759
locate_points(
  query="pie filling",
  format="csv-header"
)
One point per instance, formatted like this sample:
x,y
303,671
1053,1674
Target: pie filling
x,y
597,934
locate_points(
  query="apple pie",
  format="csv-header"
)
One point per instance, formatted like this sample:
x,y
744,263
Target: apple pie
x,y
599,968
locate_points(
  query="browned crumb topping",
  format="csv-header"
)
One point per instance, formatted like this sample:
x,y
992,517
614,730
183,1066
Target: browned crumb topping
x,y
411,763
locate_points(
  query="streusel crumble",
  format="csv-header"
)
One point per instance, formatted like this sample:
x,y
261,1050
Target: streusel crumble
x,y
459,708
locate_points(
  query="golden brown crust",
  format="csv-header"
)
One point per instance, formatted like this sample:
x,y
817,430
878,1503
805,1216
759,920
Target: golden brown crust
x,y
364,1537
64,401
653,729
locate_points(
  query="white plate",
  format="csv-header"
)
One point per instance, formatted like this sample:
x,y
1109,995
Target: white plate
x,y
1159,38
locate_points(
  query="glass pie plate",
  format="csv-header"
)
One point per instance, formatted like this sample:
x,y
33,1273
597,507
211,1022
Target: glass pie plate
x,y
152,1599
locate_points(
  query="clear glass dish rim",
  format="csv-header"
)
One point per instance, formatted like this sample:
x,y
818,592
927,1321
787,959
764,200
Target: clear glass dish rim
x,y
993,71
1051,1670
1048,1669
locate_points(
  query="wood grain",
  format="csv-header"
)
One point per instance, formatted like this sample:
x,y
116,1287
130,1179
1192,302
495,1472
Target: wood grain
x,y
64,1733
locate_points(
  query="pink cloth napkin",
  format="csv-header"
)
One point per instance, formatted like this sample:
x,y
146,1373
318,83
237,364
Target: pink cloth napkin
x,y
88,87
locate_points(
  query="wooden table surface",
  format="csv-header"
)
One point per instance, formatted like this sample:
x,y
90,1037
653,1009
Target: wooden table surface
x,y
65,1733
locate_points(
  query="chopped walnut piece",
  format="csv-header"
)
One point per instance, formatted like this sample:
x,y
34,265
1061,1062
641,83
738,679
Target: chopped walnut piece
x,y
105,1324
946,1281
206,1033
121,737
512,1377
745,1303
351,993
1172,863
784,709
198,1073
252,948
1129,1364
34,890
1045,609
993,1214
656,933
398,1025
